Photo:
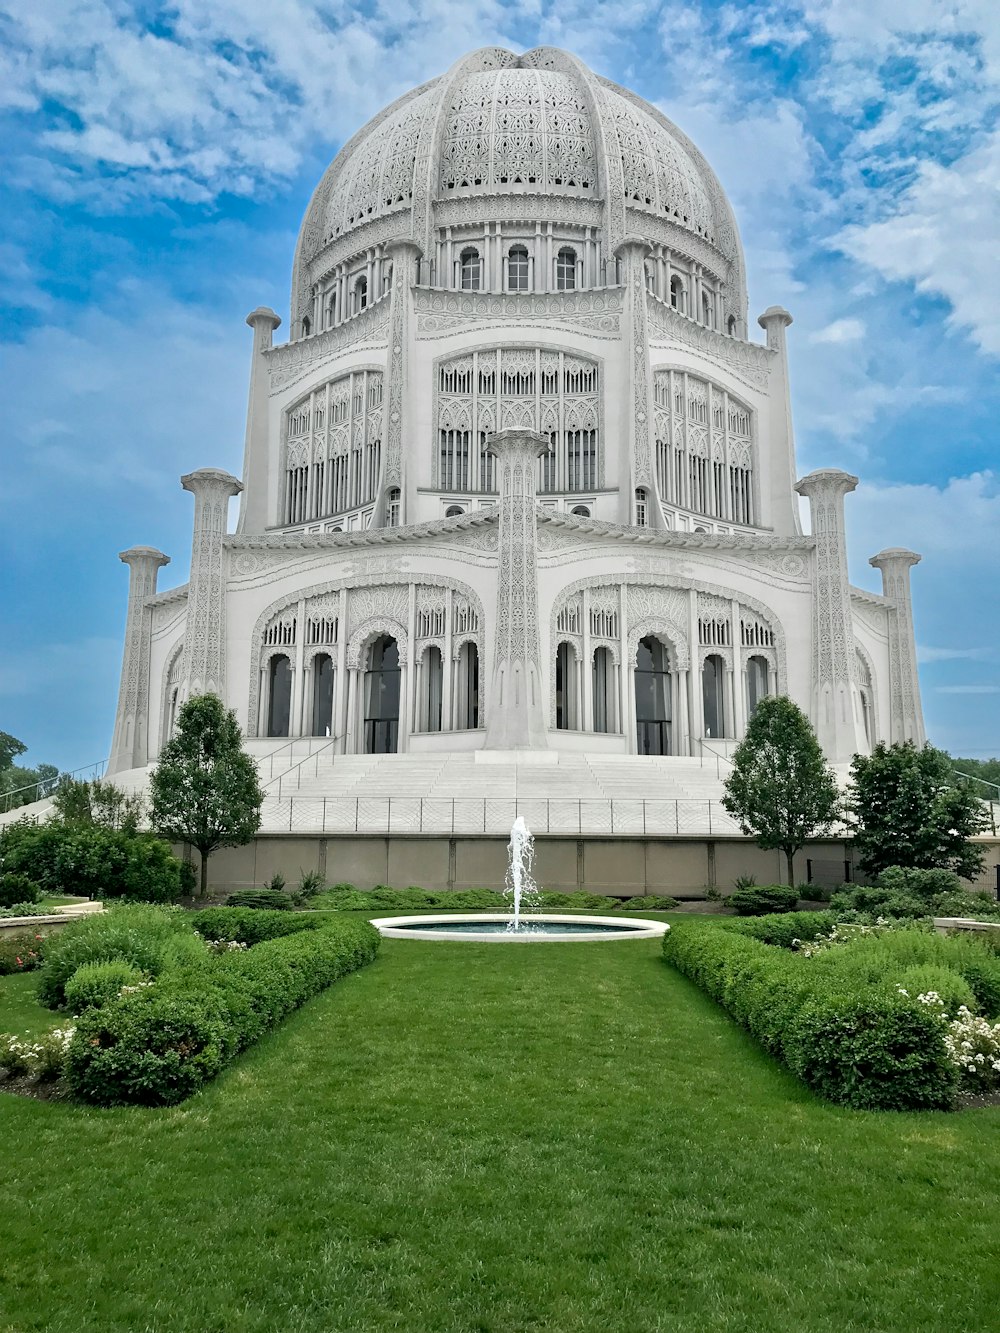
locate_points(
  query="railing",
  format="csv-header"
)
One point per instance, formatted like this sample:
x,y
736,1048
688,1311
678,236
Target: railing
x,y
719,756
18,796
297,768
494,815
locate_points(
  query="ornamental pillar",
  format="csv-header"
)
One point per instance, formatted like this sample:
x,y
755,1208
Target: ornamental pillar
x,y
906,718
631,255
130,743
836,705
203,666
516,716
255,514
777,509
405,257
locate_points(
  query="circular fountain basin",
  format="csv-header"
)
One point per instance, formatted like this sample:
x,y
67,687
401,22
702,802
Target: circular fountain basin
x,y
535,926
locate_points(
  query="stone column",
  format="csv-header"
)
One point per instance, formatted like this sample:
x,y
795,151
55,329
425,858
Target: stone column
x,y
631,254
130,743
203,666
836,703
776,508
259,509
906,718
405,257
516,712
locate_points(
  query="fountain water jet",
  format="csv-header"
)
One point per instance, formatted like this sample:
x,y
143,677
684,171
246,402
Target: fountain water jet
x,y
519,885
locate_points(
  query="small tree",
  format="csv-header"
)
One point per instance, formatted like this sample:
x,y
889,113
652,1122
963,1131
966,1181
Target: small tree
x,y
99,803
205,790
908,808
781,790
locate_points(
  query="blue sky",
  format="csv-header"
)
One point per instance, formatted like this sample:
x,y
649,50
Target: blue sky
x,y
158,162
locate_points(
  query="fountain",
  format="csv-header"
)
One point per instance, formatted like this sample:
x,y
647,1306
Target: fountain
x,y
522,890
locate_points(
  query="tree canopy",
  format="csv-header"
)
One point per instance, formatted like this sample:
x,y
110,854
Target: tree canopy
x,y
907,808
205,790
781,789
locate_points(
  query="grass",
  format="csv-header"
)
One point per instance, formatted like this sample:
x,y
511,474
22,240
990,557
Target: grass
x,y
20,1011
488,1138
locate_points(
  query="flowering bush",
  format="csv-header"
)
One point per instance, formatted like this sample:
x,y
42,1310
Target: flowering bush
x,y
225,946
974,1045
94,984
20,953
42,1057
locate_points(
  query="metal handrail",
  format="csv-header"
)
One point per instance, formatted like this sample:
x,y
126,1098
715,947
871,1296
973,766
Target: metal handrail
x,y
96,768
297,768
974,777
717,755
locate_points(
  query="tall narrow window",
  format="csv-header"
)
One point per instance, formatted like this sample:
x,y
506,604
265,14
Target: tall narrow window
x,y
757,683
652,697
566,269
322,700
731,326
706,310
471,271
279,695
641,516
566,688
468,687
712,678
382,697
360,294
306,327
676,293
604,704
392,507
517,268
331,310
433,687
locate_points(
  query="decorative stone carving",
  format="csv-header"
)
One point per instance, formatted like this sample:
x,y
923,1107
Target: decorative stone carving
x,y
292,361
130,744
204,666
516,716
906,720
748,361
442,313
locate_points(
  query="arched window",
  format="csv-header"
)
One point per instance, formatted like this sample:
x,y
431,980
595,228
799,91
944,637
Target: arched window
x,y
433,687
468,687
650,276
731,326
677,292
712,678
382,697
641,516
866,716
566,694
652,697
322,700
392,507
172,717
581,511
360,294
453,511
566,269
306,326
470,270
517,268
604,685
758,684
331,310
706,309
279,695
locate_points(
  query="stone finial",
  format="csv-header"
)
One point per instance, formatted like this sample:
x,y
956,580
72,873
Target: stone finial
x,y
826,481
209,480
775,320
894,557
263,321
139,555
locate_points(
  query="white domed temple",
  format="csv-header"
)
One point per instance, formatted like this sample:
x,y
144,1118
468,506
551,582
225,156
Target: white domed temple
x,y
519,493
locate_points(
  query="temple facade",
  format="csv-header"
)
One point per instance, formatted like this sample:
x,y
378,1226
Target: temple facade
x,y
521,478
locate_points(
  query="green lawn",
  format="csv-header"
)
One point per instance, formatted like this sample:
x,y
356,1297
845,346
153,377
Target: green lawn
x,y
491,1138
20,1012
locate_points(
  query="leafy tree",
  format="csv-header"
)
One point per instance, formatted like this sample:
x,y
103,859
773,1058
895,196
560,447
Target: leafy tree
x,y
100,803
908,809
205,790
781,789
10,748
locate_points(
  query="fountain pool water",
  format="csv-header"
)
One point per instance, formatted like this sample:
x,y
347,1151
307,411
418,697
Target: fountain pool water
x,y
526,922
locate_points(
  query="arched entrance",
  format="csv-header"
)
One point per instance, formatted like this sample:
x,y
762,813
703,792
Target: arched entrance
x,y
279,695
382,681
652,697
712,688
322,701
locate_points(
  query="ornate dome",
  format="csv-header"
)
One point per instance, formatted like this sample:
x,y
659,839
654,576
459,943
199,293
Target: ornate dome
x,y
539,125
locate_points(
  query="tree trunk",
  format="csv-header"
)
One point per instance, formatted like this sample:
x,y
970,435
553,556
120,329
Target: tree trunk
x,y
204,873
791,868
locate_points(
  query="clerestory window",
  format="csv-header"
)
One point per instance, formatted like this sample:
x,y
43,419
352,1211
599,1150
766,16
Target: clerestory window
x,y
471,271
517,268
566,270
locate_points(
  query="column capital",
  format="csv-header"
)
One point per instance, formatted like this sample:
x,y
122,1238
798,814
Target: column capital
x,y
895,557
630,243
211,480
825,482
511,442
403,245
137,556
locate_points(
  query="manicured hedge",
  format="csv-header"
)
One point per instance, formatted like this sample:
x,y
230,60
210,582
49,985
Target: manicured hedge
x,y
763,899
868,1048
783,929
156,1047
250,925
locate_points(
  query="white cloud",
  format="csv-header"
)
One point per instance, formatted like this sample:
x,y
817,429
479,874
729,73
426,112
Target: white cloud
x,y
926,653
967,689
840,331
952,522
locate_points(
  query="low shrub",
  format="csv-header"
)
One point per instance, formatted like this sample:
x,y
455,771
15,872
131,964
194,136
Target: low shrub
x,y
764,900
17,889
786,929
129,932
20,953
269,900
161,1044
648,902
24,909
933,979
42,1057
311,882
974,1046
89,861
856,1045
95,984
923,884
244,925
